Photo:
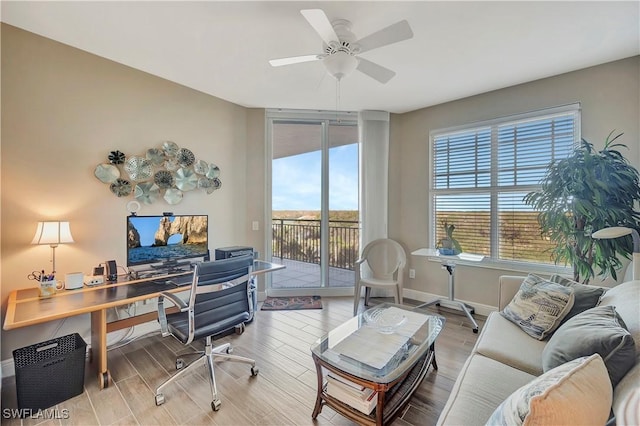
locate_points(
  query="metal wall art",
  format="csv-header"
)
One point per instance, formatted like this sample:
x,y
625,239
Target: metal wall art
x,y
167,172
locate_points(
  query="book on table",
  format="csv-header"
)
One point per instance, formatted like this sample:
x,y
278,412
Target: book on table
x,y
359,397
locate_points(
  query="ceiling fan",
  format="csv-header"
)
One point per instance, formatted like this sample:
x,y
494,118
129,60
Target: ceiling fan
x,y
341,49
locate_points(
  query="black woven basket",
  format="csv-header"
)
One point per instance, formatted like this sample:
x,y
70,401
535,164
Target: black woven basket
x,y
50,372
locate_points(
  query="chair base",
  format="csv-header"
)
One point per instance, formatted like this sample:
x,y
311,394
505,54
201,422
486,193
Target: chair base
x,y
222,352
466,309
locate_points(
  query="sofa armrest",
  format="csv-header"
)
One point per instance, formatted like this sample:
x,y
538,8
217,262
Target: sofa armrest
x,y
509,286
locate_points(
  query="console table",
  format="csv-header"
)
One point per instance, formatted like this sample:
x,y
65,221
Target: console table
x,y
25,307
345,351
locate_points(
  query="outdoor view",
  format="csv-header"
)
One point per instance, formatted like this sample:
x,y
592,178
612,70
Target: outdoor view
x,y
519,234
297,194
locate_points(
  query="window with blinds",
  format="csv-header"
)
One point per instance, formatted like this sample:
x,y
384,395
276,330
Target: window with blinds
x,y
481,173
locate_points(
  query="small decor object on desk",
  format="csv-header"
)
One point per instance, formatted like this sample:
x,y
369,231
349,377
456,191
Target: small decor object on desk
x,y
448,245
47,286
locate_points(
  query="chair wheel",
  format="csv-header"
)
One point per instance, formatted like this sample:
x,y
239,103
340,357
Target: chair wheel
x,y
229,350
179,364
254,371
215,404
159,399
239,329
475,330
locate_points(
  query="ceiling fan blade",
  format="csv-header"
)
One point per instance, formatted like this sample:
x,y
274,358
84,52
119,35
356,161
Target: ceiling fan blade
x,y
392,34
375,71
294,60
319,21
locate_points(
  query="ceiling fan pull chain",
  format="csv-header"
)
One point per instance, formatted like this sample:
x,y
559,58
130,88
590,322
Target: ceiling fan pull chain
x,y
337,100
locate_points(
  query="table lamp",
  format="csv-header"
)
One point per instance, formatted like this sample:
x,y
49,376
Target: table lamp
x,y
52,233
620,231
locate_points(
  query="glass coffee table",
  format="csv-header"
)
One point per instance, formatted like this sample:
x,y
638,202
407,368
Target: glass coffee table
x,y
382,354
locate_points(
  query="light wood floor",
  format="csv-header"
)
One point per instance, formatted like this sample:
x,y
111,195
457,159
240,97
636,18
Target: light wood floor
x,y
282,394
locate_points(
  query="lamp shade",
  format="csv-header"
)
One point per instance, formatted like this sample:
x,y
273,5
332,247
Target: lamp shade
x,y
621,231
52,233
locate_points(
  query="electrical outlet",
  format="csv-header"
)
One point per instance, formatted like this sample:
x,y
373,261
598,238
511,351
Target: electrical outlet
x,y
412,273
255,225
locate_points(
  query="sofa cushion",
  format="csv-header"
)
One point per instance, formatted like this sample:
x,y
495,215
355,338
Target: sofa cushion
x,y
539,306
597,330
481,386
575,393
626,298
585,296
626,398
503,341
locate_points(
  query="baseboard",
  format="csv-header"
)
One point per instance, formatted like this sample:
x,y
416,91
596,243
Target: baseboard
x,y
422,296
8,368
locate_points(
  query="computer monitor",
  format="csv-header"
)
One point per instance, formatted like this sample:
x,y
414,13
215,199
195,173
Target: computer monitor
x,y
166,239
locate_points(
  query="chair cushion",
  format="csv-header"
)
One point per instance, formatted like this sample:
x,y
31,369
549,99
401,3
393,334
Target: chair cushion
x,y
539,306
598,330
585,296
575,393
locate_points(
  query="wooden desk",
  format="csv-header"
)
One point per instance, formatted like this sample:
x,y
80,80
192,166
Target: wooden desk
x,y
26,308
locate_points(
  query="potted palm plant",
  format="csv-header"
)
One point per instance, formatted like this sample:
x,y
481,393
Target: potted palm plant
x,y
587,191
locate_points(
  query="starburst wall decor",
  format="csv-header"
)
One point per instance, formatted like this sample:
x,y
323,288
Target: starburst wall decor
x,y
167,172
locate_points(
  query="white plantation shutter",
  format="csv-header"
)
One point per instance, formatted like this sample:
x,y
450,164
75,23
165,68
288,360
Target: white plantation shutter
x,y
481,172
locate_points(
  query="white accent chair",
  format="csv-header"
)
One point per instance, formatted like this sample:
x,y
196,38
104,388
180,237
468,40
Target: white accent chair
x,y
381,266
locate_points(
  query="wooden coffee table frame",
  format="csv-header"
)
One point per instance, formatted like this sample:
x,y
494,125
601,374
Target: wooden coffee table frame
x,y
392,397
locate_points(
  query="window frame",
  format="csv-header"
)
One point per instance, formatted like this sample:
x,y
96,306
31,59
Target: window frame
x,y
494,189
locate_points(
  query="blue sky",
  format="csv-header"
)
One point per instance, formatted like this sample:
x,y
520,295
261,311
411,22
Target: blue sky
x,y
296,180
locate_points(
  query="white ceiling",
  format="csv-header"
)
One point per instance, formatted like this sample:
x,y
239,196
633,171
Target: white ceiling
x,y
459,49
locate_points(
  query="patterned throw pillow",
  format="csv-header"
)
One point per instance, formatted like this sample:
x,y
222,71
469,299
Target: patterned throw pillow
x,y
586,296
576,393
539,306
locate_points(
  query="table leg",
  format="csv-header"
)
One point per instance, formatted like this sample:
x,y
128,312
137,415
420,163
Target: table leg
x,y
318,407
99,346
433,358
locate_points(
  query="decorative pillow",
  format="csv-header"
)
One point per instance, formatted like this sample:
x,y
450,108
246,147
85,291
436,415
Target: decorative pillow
x,y
586,296
597,330
575,393
539,306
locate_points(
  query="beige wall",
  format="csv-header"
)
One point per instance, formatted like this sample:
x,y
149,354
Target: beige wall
x,y
610,98
63,110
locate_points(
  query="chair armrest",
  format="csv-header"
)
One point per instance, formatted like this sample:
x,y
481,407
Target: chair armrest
x,y
509,286
162,314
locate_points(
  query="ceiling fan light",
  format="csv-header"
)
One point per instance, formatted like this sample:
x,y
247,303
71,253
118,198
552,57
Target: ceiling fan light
x,y
340,64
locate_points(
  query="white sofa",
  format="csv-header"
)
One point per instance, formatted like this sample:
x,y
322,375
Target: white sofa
x,y
506,358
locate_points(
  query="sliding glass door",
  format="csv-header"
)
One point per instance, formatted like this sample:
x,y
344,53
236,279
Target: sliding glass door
x,y
314,202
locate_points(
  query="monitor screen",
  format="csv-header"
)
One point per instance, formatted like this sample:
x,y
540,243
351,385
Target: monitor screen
x,y
154,239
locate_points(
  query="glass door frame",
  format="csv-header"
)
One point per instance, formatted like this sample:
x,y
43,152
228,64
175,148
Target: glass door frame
x,y
324,118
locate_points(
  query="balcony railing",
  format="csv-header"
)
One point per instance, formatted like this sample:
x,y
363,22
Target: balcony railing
x,y
299,239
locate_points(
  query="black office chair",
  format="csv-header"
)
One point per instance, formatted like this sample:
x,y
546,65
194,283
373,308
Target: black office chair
x,y
219,301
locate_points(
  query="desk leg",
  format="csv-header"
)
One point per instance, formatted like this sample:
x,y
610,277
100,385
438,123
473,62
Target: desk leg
x,y
99,346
